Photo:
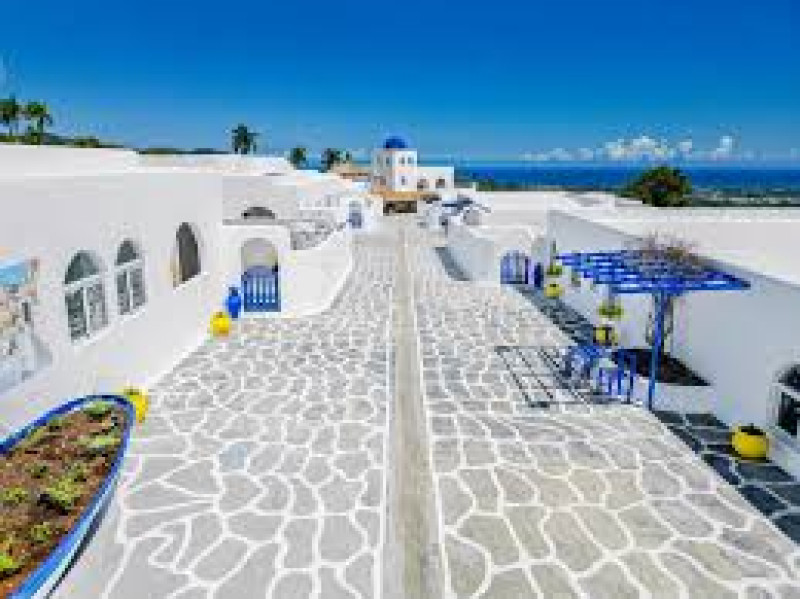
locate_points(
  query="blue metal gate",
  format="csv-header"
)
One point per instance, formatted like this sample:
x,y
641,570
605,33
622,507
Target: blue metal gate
x,y
514,268
261,289
356,219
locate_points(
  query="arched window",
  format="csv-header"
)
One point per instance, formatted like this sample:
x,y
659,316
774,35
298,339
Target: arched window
x,y
258,212
441,183
130,278
85,297
787,401
187,254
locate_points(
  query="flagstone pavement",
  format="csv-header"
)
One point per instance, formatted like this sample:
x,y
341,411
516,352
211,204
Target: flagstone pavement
x,y
265,470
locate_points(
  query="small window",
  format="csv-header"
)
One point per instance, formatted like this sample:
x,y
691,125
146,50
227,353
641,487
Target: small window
x,y
258,212
787,400
129,278
410,160
422,184
187,255
403,181
441,183
85,297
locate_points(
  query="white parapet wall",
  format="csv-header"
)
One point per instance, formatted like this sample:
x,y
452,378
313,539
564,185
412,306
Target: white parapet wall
x,y
50,219
315,277
478,250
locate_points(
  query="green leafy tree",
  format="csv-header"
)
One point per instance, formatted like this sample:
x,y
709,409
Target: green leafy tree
x,y
38,114
243,140
662,186
298,156
10,113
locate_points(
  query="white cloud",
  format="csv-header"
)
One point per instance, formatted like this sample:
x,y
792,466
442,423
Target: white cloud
x,y
639,148
585,154
724,149
794,154
685,147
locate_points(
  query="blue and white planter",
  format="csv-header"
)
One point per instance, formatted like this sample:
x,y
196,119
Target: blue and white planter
x,y
41,582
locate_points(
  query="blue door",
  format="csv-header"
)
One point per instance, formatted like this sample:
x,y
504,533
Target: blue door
x,y
356,219
514,268
261,290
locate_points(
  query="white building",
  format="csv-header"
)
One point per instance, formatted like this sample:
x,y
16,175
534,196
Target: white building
x,y
106,255
743,343
398,177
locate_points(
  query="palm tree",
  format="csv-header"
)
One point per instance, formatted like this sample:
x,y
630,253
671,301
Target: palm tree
x,y
298,156
10,112
243,140
331,157
38,114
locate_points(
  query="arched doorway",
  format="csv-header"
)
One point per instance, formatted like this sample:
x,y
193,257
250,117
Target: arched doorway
x,y
355,215
260,277
514,268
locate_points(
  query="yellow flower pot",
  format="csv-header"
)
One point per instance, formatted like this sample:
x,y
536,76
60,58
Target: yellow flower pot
x,y
140,402
220,324
553,290
750,443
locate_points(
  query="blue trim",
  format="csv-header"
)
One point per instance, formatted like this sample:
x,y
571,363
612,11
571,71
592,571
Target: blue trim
x,y
42,580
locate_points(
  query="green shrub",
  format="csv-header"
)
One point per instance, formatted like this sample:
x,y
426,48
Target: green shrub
x,y
97,410
62,494
99,444
13,495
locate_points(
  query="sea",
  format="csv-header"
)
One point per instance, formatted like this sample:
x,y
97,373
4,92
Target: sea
x,y
748,180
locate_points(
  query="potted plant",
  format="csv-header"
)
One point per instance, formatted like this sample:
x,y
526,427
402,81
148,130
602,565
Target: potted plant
x,y
575,278
57,477
220,324
750,442
554,270
139,399
553,290
610,311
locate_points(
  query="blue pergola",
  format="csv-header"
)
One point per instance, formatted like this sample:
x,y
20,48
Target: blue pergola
x,y
654,273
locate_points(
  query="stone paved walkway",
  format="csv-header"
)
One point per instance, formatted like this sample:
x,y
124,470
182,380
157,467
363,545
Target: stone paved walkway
x,y
596,502
260,471
270,466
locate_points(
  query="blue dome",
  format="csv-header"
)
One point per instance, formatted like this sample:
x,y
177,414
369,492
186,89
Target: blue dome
x,y
395,143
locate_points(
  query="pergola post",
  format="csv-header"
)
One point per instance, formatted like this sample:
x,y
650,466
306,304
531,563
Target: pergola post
x,y
660,301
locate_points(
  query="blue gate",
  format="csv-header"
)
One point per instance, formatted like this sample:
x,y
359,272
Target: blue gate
x,y
261,290
356,216
514,268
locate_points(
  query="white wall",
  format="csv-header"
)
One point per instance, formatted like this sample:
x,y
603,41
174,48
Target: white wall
x,y
17,160
311,279
738,341
52,218
478,250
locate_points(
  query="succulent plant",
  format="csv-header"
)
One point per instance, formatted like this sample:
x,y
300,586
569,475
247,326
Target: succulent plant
x,y
13,495
8,565
34,439
77,472
41,533
56,423
62,494
39,469
97,410
99,444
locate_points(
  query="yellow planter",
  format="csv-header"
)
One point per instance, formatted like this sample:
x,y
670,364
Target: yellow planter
x,y
553,290
138,398
220,324
605,336
749,445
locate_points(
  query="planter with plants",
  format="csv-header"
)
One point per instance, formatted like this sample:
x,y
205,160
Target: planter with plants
x,y
610,311
56,477
554,270
553,290
750,442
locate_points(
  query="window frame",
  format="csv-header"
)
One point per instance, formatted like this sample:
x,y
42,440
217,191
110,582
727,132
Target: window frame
x,y
83,288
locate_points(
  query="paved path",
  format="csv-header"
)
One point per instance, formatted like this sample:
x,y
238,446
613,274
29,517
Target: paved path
x,y
261,471
596,502
388,448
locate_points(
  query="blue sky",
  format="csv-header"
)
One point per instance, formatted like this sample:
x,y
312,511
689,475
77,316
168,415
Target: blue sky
x,y
557,79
